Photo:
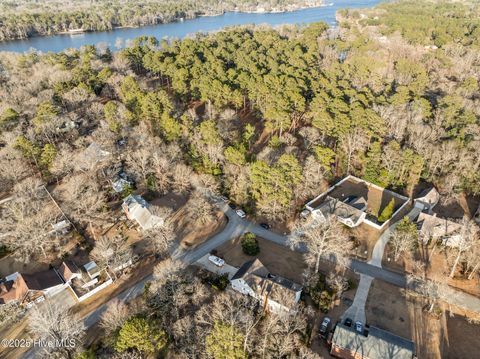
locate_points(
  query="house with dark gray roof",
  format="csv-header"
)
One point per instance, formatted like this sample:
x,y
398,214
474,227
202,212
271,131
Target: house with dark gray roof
x,y
354,201
373,343
351,213
275,292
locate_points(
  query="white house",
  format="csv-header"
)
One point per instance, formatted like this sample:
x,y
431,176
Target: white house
x,y
350,212
137,209
274,292
348,201
433,227
86,281
427,199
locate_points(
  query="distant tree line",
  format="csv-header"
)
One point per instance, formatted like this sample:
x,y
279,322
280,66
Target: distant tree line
x,y
23,19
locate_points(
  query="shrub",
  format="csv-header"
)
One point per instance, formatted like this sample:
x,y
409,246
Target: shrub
x,y
141,334
250,244
225,341
9,116
351,284
387,211
219,282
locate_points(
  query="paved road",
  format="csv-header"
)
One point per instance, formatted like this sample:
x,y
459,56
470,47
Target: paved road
x,y
379,248
357,310
237,226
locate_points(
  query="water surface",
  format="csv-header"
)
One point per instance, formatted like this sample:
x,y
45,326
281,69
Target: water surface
x,y
119,38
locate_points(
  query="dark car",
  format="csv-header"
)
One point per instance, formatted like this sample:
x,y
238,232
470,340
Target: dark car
x,y
265,225
348,322
324,327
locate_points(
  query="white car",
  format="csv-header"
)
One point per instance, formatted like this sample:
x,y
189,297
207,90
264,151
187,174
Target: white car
x,y
240,213
219,262
305,213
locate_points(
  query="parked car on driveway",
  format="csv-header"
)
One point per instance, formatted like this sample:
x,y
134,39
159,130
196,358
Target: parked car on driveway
x,y
240,213
324,327
223,199
359,327
348,322
219,262
265,225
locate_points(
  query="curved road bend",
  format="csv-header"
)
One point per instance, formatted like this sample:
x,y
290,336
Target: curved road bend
x,y
234,228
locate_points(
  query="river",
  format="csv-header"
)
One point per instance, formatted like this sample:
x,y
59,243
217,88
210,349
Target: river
x,y
119,38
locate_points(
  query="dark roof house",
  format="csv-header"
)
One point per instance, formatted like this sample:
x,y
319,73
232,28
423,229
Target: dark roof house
x,y
374,343
254,279
25,288
13,288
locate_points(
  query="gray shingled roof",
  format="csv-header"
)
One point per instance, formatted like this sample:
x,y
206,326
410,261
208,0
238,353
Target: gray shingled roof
x,y
379,344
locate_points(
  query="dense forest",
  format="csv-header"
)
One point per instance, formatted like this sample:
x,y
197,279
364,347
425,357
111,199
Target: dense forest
x,y
22,19
284,110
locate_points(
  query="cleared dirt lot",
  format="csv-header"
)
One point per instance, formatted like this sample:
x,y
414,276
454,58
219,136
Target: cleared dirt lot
x,y
462,339
278,259
436,336
387,308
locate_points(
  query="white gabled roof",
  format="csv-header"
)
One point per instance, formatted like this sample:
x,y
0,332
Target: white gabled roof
x,y
138,209
429,197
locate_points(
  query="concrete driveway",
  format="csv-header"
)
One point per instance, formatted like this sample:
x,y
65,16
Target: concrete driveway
x,y
225,269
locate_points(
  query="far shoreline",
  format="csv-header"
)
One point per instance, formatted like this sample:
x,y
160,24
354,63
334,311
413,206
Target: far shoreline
x,y
176,20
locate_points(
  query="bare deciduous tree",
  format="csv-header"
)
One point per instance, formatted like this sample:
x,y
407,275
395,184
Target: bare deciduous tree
x,y
468,239
27,220
161,237
327,240
111,252
181,178
338,283
115,315
54,323
403,239
199,209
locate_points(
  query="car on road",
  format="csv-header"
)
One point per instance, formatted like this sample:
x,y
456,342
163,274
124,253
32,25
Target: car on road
x,y
219,262
359,327
265,225
240,213
324,327
348,322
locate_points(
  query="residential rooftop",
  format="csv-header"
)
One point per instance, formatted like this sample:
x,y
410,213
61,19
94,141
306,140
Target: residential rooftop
x,y
376,344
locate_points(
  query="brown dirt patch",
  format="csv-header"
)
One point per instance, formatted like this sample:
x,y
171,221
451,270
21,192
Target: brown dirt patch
x,y
9,264
387,309
194,234
462,339
278,259
366,237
